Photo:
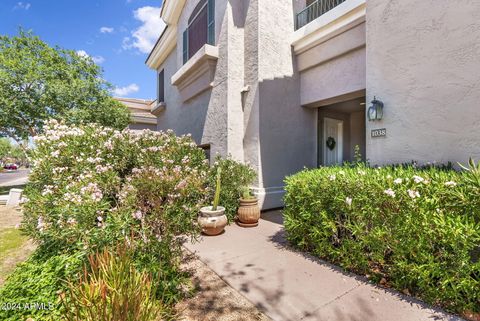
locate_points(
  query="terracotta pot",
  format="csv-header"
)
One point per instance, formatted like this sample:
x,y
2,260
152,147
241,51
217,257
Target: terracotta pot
x,y
248,212
212,222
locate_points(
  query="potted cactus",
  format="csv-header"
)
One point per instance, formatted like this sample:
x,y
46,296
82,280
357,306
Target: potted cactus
x,y
248,212
212,219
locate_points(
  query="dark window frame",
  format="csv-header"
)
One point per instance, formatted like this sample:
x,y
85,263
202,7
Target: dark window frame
x,y
161,86
200,30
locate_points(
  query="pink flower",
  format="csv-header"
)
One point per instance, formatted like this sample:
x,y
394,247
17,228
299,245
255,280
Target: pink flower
x,y
389,192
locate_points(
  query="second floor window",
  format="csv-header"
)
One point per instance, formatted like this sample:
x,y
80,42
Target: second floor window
x,y
200,30
161,87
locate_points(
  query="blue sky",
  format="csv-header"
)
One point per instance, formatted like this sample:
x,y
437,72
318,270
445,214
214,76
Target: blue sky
x,y
117,34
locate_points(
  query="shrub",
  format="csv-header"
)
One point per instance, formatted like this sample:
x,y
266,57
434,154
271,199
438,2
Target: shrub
x,y
89,183
37,280
92,187
415,230
111,289
235,176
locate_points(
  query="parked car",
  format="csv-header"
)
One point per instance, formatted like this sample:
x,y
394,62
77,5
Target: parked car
x,y
11,166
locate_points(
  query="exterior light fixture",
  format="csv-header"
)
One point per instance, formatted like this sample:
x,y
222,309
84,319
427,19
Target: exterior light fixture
x,y
375,111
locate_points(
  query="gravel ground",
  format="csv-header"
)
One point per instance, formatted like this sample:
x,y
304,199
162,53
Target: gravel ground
x,y
215,300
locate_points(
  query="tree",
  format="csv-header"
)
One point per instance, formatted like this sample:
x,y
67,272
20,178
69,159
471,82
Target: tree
x,y
38,82
11,152
5,148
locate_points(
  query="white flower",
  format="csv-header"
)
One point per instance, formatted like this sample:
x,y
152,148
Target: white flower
x,y
451,184
418,179
332,177
40,224
398,181
413,194
99,218
71,221
138,215
348,201
47,190
389,192
363,173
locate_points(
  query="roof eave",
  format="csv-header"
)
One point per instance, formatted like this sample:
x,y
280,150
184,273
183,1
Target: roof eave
x,y
170,13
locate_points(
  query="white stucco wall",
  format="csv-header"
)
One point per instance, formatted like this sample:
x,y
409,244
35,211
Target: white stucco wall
x,y
423,62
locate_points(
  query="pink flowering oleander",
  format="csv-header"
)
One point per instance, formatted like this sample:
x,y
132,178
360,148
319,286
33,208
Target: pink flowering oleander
x,y
418,179
413,194
389,192
90,178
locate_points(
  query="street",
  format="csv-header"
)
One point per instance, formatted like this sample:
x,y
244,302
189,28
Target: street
x,y
12,178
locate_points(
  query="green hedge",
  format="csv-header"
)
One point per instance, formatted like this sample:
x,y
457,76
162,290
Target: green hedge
x,y
416,230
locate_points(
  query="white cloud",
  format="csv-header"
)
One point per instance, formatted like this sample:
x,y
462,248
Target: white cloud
x,y
96,59
127,90
106,29
22,5
144,37
82,53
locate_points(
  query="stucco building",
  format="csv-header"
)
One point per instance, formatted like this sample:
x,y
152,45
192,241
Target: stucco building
x,y
141,113
285,85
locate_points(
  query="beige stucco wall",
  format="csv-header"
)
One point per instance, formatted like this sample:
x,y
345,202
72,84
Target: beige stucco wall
x,y
280,135
204,116
423,62
334,68
357,133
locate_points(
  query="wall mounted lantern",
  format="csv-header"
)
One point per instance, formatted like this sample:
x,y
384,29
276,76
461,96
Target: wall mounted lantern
x,y
375,111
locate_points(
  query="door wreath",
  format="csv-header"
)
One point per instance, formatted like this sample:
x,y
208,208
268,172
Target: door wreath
x,y
331,143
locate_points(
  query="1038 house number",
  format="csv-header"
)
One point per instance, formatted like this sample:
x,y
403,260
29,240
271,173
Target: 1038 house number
x,y
382,132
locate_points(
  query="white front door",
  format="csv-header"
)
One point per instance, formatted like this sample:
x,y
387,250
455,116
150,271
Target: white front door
x,y
332,141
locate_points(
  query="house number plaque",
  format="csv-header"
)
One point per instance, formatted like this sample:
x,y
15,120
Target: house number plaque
x,y
382,132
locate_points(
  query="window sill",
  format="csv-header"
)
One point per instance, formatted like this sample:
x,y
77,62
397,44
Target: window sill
x,y
197,74
158,108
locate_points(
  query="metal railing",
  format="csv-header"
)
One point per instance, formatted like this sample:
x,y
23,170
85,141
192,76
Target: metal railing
x,y
314,11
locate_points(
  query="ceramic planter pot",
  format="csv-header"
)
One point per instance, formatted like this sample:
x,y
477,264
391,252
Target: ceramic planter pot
x,y
248,212
212,222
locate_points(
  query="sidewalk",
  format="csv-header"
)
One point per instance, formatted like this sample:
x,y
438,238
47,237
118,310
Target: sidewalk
x,y
288,285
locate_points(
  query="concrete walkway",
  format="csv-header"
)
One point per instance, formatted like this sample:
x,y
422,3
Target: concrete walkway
x,y
287,285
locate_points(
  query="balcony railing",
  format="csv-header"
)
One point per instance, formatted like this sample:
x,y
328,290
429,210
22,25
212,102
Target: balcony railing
x,y
314,11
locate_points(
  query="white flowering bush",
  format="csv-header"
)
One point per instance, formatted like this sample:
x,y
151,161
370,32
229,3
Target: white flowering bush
x,y
93,187
416,230
90,183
